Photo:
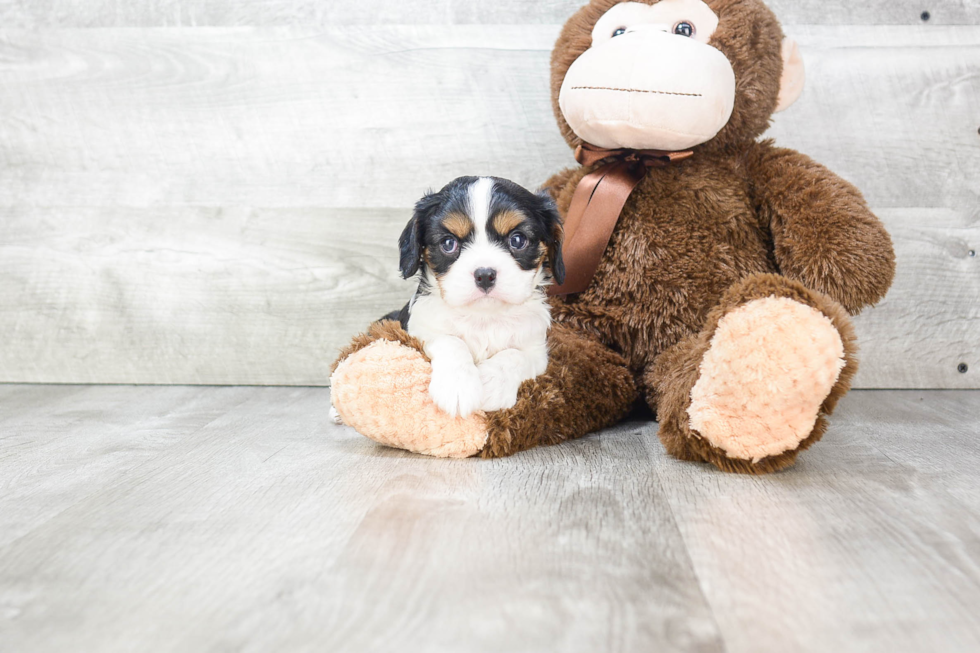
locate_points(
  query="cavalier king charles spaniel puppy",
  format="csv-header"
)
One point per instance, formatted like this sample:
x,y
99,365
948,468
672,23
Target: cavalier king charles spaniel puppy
x,y
484,249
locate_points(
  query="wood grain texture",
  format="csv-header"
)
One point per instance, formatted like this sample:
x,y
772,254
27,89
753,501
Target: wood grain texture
x,y
266,528
868,544
209,296
62,444
215,519
371,117
929,323
207,205
271,117
325,13
267,297
893,110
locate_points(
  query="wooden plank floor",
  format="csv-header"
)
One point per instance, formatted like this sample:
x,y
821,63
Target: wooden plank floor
x,y
241,519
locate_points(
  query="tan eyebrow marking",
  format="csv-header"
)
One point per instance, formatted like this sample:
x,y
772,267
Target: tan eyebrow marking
x,y
458,224
505,222
542,254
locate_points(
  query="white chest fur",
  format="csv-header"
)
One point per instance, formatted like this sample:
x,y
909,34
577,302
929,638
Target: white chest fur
x,y
486,328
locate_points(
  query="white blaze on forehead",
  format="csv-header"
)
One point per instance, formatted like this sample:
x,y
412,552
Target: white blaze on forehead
x,y
480,196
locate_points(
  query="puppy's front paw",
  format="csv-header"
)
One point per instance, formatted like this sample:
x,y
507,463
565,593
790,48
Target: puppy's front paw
x,y
456,390
335,417
500,387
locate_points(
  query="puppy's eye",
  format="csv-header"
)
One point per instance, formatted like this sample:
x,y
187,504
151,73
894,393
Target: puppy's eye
x,y
449,245
619,31
684,28
518,240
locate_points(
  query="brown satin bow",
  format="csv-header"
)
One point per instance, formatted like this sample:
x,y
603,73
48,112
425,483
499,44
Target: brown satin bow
x,y
598,200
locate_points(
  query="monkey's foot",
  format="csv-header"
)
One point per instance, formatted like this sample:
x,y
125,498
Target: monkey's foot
x,y
382,390
753,388
771,364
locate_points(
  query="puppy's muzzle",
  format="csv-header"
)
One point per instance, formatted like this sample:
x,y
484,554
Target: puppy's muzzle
x,y
485,278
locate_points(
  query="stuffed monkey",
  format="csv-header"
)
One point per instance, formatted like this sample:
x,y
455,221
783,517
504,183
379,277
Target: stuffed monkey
x,y
710,274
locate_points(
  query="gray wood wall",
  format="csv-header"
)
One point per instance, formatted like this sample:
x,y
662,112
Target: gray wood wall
x,y
210,191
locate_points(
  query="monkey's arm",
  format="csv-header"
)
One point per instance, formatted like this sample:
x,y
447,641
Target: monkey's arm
x,y
824,234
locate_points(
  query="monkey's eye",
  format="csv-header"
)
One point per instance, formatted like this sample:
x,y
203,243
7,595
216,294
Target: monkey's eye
x,y
619,31
684,28
448,245
518,240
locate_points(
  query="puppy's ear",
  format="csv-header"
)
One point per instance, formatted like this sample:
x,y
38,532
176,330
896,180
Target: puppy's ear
x,y
410,242
554,234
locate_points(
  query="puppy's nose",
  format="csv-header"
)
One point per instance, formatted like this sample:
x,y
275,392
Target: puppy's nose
x,y
485,278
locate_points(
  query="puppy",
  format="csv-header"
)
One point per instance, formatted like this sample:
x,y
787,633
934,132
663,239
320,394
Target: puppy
x,y
484,250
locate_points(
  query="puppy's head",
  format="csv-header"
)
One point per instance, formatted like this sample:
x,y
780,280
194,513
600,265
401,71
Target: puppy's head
x,y
483,239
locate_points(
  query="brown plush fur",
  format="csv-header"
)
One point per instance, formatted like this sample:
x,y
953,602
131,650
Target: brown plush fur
x,y
691,230
698,237
585,388
382,330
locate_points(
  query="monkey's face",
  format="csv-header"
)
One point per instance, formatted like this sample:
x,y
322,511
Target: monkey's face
x,y
651,80
669,75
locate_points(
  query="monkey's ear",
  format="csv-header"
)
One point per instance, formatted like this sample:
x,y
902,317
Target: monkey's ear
x,y
791,83
410,242
554,235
